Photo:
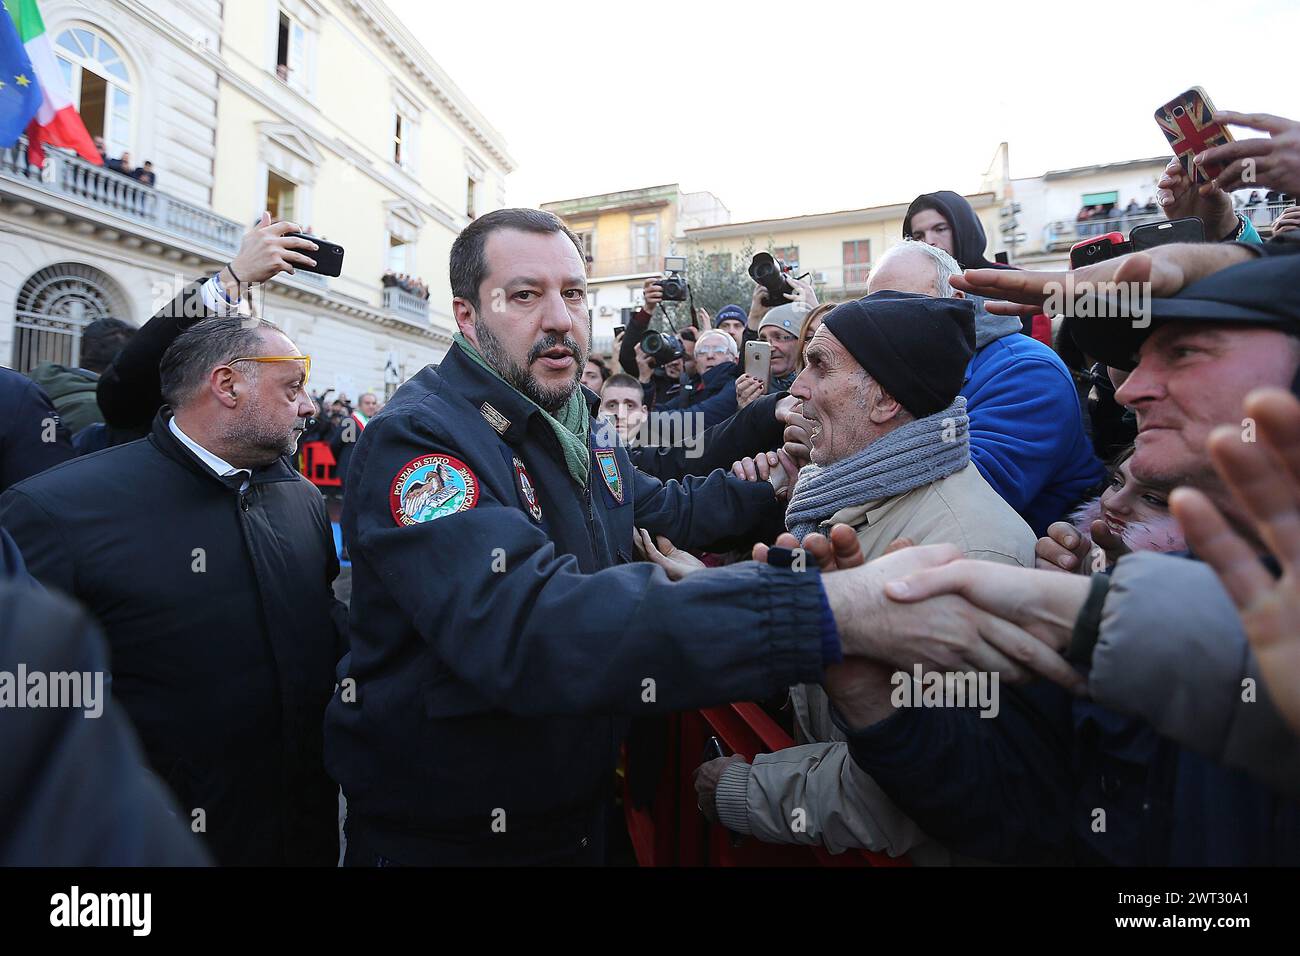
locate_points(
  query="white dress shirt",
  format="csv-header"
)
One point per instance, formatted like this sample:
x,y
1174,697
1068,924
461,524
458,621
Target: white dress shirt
x,y
220,466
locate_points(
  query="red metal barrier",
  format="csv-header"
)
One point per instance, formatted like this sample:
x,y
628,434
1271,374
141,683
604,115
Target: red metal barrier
x,y
319,466
675,833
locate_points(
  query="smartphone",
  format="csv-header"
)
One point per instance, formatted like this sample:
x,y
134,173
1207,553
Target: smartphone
x,y
1085,252
1188,123
758,360
1163,233
329,256
619,330
712,750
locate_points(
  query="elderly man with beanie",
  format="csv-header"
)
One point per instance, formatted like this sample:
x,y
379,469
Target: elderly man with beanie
x,y
891,458
1027,433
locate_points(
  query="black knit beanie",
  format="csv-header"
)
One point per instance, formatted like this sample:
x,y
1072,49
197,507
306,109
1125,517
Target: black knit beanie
x,y
916,346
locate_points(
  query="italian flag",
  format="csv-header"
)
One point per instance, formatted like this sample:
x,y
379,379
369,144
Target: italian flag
x,y
57,121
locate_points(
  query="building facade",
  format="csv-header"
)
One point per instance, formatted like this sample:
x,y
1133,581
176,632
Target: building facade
x,y
326,112
835,249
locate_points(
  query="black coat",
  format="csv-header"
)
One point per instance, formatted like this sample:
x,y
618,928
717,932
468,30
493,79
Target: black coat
x,y
751,430
28,420
75,790
221,623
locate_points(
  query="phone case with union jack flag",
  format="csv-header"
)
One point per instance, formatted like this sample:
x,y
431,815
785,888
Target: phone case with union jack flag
x,y
1188,123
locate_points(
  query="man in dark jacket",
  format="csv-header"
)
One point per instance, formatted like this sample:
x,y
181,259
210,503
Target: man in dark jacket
x,y
713,395
502,634
208,561
75,791
72,390
31,436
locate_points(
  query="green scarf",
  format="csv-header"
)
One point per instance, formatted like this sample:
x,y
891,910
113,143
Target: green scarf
x,y
570,425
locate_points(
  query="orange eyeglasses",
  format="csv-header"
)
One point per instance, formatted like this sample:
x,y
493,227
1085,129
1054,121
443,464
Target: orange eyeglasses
x,y
305,359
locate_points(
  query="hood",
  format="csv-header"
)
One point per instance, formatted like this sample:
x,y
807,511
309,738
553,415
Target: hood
x,y
969,240
58,381
990,327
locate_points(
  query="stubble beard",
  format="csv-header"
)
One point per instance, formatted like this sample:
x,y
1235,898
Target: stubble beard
x,y
551,399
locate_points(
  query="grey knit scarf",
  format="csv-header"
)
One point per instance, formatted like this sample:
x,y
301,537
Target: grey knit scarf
x,y
916,454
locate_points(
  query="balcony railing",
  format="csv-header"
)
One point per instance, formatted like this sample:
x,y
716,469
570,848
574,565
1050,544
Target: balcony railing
x,y
405,305
636,265
102,188
1066,232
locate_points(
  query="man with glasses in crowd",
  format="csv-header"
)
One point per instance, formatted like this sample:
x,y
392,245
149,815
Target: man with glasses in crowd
x,y
208,562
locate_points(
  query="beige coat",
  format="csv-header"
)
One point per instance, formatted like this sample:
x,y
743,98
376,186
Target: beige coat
x,y
842,807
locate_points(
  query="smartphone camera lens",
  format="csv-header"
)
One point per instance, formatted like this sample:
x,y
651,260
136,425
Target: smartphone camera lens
x,y
1178,111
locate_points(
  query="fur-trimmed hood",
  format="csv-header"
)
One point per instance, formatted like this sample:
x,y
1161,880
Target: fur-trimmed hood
x,y
1162,535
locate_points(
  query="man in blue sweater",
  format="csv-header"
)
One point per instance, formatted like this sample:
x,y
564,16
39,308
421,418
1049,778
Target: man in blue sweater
x,y
1026,427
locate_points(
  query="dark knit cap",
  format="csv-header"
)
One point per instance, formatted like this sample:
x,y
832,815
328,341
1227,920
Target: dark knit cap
x,y
917,347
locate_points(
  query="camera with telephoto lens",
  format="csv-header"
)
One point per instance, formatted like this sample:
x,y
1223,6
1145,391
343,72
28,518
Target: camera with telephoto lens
x,y
662,347
770,274
674,281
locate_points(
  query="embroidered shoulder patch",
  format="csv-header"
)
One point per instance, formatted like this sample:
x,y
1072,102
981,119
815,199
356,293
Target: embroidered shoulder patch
x,y
609,470
432,486
527,491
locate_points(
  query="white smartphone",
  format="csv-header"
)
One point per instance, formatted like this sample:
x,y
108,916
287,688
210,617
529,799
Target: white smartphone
x,y
758,360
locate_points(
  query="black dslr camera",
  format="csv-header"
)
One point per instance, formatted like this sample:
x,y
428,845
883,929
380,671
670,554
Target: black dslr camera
x,y
662,347
770,274
674,282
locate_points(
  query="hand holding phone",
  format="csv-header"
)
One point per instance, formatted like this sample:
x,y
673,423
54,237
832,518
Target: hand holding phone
x,y
1190,127
758,360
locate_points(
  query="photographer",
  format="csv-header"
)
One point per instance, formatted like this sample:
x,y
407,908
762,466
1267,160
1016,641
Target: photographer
x,y
658,369
713,391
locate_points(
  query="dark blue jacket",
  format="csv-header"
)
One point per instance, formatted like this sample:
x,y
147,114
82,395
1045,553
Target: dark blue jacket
x,y
29,419
1026,787
714,397
501,633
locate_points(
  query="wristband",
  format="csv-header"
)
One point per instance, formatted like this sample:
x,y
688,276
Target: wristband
x,y
1087,626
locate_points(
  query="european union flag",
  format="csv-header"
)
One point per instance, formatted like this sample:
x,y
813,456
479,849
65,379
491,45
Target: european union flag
x,y
20,94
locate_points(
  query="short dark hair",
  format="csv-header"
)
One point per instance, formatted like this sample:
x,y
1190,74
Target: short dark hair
x,y
468,262
101,340
621,380
202,347
597,361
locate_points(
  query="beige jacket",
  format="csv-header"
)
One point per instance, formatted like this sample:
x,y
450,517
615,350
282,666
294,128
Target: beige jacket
x,y
815,793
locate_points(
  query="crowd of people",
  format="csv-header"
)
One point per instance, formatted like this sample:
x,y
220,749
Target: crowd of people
x,y
405,282
144,175
1017,601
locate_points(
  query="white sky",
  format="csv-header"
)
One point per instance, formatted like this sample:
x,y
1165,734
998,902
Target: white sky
x,y
810,106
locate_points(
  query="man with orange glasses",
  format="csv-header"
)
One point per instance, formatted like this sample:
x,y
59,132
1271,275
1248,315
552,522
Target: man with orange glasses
x,y
209,561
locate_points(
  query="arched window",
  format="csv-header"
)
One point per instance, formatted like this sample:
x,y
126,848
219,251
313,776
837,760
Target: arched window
x,y
100,84
54,305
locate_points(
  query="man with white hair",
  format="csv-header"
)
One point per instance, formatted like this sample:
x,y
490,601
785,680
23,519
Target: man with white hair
x,y
1026,426
714,398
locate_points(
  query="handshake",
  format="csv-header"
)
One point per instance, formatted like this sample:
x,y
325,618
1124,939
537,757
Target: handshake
x,y
922,605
